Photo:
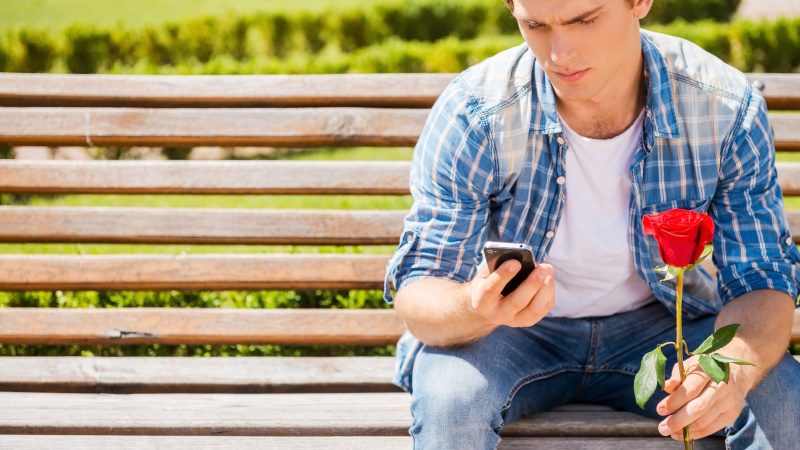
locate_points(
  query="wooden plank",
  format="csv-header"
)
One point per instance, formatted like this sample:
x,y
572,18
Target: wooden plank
x,y
87,326
377,414
785,131
782,91
205,177
241,375
240,91
788,177
327,442
290,127
191,272
200,225
213,225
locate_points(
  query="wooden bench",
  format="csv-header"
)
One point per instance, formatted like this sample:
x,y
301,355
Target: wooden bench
x,y
305,402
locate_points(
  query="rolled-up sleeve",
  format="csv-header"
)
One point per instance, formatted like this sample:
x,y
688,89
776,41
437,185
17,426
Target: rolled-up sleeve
x,y
753,246
451,179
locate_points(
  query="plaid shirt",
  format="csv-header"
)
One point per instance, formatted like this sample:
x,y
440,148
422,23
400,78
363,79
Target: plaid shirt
x,y
490,164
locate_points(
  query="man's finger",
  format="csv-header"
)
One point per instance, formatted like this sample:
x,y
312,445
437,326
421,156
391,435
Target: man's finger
x,y
690,389
497,280
695,409
523,295
541,304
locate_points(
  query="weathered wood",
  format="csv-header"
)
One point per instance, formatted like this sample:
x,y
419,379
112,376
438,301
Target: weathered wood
x,y
212,226
199,225
241,91
782,91
241,375
199,326
378,414
327,442
289,127
205,177
191,272
233,177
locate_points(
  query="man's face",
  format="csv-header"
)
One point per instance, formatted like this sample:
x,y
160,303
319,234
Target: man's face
x,y
583,45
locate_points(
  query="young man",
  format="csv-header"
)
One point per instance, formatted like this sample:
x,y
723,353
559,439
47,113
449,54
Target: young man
x,y
564,143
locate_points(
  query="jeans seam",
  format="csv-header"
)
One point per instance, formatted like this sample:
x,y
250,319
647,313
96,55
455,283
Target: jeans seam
x,y
590,360
537,376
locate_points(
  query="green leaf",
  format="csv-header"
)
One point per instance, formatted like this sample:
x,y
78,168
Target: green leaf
x,y
727,373
651,373
716,370
670,271
726,359
716,341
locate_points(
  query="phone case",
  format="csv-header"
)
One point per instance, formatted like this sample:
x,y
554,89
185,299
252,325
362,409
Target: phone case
x,y
496,253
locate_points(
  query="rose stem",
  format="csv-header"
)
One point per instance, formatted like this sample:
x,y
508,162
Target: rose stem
x,y
679,328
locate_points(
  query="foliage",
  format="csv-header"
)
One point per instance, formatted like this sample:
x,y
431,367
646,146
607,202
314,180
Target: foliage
x,y
666,11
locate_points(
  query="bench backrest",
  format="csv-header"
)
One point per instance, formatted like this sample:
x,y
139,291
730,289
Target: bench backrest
x,y
288,111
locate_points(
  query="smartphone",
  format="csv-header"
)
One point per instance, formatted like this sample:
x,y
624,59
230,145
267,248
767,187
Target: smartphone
x,y
496,253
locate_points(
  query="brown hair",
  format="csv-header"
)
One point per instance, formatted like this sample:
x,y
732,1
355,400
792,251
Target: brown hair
x,y
510,4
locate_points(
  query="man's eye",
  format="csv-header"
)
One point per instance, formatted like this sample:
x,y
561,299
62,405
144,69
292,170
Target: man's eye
x,y
535,27
588,22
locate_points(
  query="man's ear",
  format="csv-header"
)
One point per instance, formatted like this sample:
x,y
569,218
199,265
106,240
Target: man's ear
x,y
641,8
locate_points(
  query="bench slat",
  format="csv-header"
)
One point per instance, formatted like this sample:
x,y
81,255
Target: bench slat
x,y
327,442
199,225
376,414
123,326
208,326
206,177
191,272
290,127
240,375
782,91
213,226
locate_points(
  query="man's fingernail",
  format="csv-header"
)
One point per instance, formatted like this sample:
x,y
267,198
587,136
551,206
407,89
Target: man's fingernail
x,y
543,274
513,266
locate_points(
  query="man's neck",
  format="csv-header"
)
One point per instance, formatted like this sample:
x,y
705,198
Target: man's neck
x,y
612,111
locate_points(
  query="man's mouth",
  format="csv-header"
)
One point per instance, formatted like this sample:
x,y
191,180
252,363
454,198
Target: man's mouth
x,y
571,76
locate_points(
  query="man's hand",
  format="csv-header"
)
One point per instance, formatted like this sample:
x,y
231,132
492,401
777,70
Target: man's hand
x,y
700,402
524,307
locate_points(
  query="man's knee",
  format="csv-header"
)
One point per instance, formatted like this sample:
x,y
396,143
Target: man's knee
x,y
454,404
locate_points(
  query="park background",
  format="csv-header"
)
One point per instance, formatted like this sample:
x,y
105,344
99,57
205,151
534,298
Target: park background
x,y
186,37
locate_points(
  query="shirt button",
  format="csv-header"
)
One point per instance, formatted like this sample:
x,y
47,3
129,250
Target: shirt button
x,y
560,140
549,234
788,241
409,238
561,180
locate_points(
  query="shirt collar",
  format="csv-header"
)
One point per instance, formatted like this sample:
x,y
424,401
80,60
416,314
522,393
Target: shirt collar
x,y
660,115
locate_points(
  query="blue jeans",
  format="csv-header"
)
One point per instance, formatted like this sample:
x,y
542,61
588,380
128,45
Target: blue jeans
x,y
463,396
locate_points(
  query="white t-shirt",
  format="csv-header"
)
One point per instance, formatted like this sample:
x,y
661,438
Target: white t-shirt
x,y
591,255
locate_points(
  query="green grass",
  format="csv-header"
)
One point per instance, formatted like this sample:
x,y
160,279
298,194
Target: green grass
x,y
137,13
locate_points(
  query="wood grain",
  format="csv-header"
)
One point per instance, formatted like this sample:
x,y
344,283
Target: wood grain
x,y
781,91
242,91
327,442
199,225
213,226
205,177
378,414
289,127
218,375
199,326
191,272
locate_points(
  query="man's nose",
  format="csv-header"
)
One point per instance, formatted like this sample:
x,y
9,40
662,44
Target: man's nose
x,y
561,50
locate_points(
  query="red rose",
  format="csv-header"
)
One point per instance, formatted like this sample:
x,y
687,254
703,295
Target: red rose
x,y
681,235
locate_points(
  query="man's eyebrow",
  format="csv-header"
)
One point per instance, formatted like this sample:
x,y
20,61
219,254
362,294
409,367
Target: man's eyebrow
x,y
576,19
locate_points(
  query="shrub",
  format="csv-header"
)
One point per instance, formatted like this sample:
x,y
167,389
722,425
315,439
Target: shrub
x,y
666,11
37,52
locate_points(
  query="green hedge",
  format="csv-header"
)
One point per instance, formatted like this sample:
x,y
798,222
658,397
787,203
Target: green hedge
x,y
81,49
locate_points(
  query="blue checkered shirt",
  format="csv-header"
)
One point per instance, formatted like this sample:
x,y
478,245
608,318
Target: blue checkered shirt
x,y
487,163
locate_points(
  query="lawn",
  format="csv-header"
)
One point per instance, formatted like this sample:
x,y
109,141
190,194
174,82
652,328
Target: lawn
x,y
135,13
